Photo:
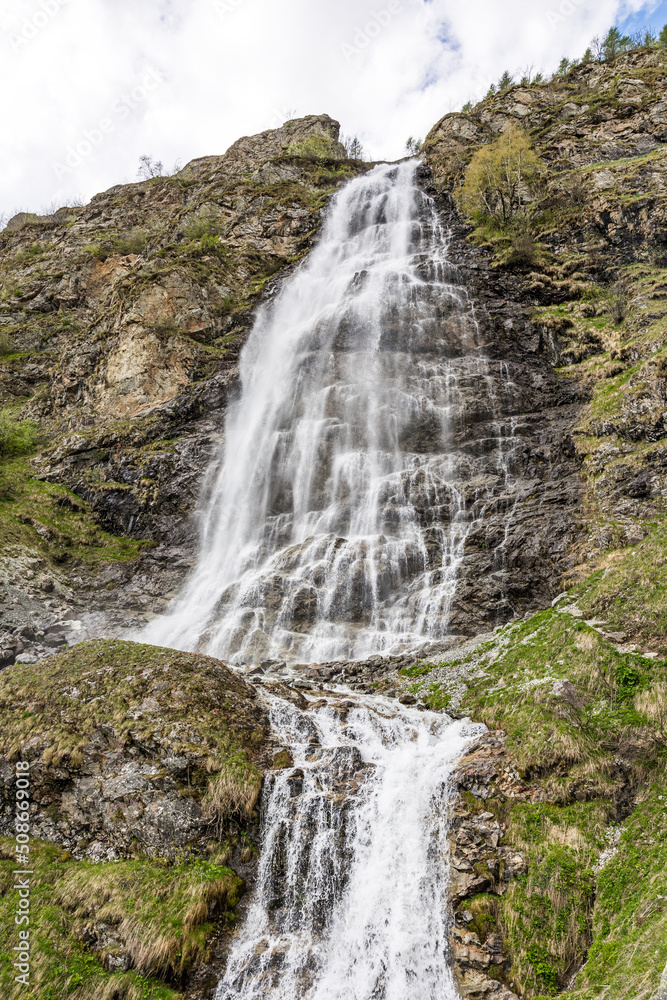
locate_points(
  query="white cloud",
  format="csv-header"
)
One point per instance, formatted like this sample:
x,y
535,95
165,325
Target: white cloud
x,y
185,78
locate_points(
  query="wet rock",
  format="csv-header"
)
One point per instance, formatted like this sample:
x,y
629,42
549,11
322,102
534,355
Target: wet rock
x,y
285,691
282,760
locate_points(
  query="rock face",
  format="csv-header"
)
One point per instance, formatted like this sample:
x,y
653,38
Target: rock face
x,y
134,307
120,764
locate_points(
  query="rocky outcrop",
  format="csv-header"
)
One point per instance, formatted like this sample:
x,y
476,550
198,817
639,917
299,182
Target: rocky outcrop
x,y
482,868
129,313
662,991
133,750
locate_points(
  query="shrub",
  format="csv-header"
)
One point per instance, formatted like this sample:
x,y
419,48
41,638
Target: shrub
x,y
619,301
505,82
314,147
498,178
522,250
614,44
202,225
134,242
16,436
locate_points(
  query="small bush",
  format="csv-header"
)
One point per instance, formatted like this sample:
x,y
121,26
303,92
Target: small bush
x,y
201,225
314,147
17,437
522,250
619,302
353,147
134,242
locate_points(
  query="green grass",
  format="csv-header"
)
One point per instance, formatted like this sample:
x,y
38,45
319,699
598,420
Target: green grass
x,y
629,947
133,242
162,914
48,520
568,758
109,678
628,589
17,437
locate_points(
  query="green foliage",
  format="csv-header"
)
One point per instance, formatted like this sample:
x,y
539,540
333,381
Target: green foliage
x,y
614,44
505,82
413,146
200,226
110,675
134,242
606,49
418,669
630,590
162,912
629,947
17,437
499,177
314,147
529,78
353,147
48,521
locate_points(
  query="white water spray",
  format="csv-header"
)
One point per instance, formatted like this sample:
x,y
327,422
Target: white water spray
x,y
335,525
350,902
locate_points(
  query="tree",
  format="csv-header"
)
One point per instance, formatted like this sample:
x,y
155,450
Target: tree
x,y
597,47
505,82
529,77
353,147
413,146
498,178
148,167
614,43
662,38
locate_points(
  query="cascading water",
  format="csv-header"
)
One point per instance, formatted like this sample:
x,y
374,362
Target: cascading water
x,y
335,527
351,890
336,522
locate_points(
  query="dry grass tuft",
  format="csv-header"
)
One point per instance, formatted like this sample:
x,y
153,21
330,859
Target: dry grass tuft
x,y
158,911
234,792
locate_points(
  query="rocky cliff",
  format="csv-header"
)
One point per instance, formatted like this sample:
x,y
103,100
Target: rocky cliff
x,y
121,324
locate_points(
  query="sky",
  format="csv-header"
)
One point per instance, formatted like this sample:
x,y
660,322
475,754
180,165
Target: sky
x,y
91,85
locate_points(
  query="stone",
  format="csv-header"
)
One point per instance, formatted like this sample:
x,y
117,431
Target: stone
x,y
566,690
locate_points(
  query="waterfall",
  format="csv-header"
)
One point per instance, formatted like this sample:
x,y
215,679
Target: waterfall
x,y
335,522
333,526
350,901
